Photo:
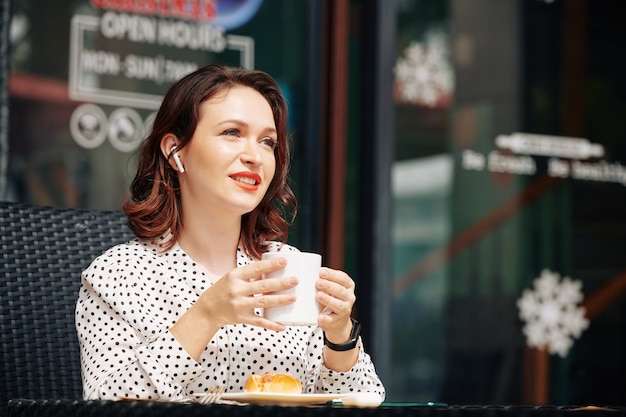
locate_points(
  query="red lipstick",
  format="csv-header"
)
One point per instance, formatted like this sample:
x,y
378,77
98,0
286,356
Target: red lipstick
x,y
247,180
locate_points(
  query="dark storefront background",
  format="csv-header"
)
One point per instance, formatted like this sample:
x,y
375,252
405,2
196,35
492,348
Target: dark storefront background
x,y
493,188
485,144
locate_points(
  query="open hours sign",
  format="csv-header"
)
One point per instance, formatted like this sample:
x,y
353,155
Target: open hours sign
x,y
128,60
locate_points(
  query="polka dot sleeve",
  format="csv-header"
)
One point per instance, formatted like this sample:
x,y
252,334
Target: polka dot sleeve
x,y
362,376
126,348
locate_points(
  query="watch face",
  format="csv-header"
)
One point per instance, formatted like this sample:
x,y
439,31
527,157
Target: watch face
x,y
356,329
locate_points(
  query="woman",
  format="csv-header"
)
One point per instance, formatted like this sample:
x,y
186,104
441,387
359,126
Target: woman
x,y
176,310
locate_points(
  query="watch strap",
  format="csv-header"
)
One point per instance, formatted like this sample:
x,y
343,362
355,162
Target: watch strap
x,y
352,341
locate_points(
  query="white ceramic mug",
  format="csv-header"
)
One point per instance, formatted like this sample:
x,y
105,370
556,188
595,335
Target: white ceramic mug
x,y
306,267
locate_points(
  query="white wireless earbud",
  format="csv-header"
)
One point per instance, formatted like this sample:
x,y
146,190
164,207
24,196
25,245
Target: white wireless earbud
x,y
179,164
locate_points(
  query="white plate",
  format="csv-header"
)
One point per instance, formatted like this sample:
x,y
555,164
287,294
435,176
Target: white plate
x,y
278,398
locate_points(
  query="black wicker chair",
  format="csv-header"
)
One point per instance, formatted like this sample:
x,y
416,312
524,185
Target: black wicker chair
x,y
43,251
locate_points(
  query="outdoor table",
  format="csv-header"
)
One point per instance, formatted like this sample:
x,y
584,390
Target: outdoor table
x,y
96,408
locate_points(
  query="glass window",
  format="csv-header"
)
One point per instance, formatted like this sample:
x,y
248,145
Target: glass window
x,y
87,76
508,188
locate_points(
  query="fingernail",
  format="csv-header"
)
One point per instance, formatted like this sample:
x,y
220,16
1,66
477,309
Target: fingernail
x,y
282,261
323,272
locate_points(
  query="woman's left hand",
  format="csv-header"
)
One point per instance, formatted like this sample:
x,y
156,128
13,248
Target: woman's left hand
x,y
335,293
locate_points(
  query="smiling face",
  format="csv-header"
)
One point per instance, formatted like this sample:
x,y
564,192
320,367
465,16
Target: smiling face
x,y
229,162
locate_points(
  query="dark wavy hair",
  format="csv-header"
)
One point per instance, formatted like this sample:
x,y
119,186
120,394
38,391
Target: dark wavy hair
x,y
154,207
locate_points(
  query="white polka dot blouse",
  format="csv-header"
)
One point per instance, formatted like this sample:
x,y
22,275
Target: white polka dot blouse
x,y
132,294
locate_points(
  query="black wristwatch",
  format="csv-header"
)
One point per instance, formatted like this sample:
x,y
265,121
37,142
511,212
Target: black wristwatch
x,y
351,343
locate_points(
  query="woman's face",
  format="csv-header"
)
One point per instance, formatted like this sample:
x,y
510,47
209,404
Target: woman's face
x,y
230,160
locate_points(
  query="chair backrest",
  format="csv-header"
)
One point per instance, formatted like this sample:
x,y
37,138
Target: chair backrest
x,y
43,251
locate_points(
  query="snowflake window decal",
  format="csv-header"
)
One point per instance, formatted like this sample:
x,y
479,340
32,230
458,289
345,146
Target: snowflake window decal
x,y
551,313
424,75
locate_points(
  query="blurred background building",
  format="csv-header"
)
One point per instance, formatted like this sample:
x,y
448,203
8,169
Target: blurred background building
x,y
463,160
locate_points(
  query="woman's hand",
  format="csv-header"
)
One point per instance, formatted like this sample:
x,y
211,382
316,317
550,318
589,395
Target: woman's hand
x,y
335,293
232,300
235,296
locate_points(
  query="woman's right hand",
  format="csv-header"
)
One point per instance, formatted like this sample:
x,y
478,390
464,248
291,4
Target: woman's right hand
x,y
232,300
235,296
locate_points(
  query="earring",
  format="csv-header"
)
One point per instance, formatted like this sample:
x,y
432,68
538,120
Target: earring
x,y
179,164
